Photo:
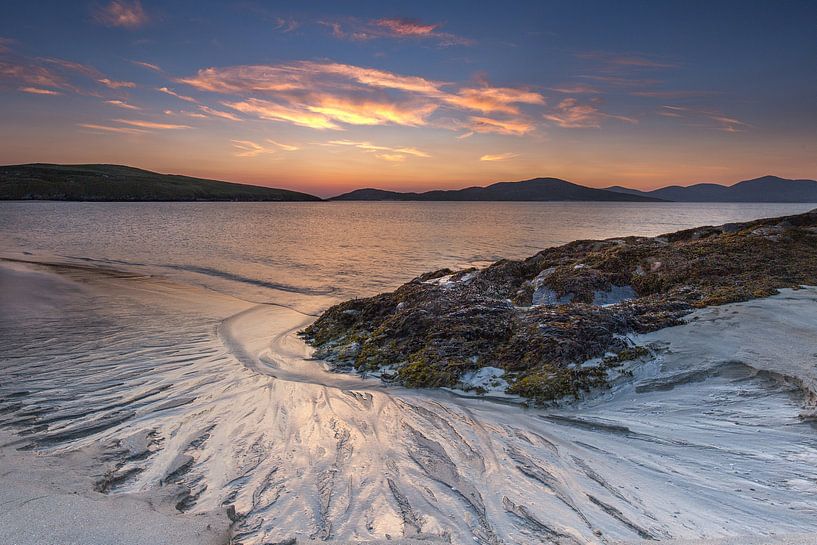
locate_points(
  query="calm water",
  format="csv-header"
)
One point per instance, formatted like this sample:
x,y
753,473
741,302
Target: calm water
x,y
268,252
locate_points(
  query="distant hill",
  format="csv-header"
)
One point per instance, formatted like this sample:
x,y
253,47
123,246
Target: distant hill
x,y
538,189
120,183
764,189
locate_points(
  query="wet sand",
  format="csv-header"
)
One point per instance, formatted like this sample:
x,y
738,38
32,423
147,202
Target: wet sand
x,y
144,388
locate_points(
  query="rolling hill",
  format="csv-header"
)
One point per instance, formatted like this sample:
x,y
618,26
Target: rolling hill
x,y
121,183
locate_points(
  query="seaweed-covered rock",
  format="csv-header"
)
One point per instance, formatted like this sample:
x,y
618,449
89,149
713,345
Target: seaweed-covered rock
x,y
539,319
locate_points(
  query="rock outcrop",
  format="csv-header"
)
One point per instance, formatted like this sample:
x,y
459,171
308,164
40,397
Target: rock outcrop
x,y
557,322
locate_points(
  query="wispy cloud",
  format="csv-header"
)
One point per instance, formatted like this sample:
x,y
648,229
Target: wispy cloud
x,y
281,145
218,113
106,128
122,104
327,95
248,148
148,65
517,127
5,44
173,93
151,124
39,91
276,112
32,75
285,25
54,72
387,153
393,157
576,90
112,84
392,27
494,99
498,157
711,119
572,114
121,13
301,76
613,62
668,94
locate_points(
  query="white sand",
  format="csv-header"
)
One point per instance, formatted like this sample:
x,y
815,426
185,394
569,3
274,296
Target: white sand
x,y
218,397
49,500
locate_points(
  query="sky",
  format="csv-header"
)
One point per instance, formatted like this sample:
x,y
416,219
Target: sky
x,y
325,97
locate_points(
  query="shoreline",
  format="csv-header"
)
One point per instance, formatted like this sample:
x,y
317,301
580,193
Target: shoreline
x,y
368,443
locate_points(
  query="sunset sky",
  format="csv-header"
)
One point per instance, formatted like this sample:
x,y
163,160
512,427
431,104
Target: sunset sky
x,y
325,97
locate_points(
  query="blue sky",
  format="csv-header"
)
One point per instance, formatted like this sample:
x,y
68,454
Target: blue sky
x,y
325,96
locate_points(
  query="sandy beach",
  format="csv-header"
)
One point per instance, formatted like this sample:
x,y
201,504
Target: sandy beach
x,y
178,404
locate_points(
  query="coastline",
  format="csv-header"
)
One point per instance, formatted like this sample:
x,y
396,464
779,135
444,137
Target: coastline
x,y
320,456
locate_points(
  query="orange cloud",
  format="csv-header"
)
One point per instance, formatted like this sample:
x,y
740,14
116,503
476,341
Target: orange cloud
x,y
516,127
498,157
151,124
376,78
494,99
371,112
120,13
327,95
38,91
573,115
275,112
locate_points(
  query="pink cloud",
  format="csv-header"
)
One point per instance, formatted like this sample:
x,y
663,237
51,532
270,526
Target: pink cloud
x,y
148,65
39,91
407,27
173,93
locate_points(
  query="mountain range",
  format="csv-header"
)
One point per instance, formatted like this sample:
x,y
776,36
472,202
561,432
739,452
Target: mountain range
x,y
763,189
41,181
537,189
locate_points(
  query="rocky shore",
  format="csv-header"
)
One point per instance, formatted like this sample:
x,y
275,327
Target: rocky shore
x,y
557,324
